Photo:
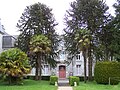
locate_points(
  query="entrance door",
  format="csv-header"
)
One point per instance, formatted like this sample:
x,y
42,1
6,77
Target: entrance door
x,y
62,72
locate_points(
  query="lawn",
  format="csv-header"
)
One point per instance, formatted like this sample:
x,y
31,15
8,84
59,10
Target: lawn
x,y
94,86
29,85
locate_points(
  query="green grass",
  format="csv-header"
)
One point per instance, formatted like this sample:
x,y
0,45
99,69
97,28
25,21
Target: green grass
x,y
94,86
44,85
29,85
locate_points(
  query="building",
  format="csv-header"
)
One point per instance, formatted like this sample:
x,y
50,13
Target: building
x,y
6,40
65,68
1,35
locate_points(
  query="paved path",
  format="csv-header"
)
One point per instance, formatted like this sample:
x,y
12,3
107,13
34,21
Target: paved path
x,y
65,88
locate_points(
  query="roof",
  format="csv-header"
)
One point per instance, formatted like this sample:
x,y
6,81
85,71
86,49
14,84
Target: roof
x,y
1,32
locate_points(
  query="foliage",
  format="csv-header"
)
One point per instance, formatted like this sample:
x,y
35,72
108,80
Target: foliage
x,y
14,64
89,15
37,19
82,43
104,70
46,78
115,32
40,46
82,39
53,79
73,79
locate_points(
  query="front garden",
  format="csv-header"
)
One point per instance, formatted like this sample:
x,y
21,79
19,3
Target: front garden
x,y
28,85
45,85
14,64
95,86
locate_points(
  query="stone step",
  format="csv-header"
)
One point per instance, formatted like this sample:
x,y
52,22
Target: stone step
x,y
63,84
65,88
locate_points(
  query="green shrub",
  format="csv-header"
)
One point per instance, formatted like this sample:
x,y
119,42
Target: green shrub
x,y
30,77
14,65
82,78
73,79
53,79
104,70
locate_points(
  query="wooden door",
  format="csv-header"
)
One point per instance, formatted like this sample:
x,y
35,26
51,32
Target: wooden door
x,y
62,72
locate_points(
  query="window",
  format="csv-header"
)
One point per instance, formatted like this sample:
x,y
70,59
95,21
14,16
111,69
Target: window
x,y
78,69
62,55
7,42
46,69
78,57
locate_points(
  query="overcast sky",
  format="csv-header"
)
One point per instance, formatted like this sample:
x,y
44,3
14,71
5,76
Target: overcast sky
x,y
11,10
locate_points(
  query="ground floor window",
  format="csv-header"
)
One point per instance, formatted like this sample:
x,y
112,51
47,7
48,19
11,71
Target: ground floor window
x,y
46,69
78,69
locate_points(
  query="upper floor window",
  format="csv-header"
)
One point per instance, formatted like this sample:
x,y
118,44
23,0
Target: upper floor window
x,y
78,57
8,42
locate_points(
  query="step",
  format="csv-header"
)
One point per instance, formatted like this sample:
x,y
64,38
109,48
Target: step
x,y
65,88
63,82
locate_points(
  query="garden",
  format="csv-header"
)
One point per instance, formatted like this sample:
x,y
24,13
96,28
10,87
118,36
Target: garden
x,y
95,86
95,34
29,85
14,64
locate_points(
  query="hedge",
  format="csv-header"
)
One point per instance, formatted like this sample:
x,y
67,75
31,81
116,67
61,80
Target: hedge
x,y
53,79
104,70
47,78
73,79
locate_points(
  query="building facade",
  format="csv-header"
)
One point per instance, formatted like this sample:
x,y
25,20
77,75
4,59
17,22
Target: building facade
x,y
65,67
6,40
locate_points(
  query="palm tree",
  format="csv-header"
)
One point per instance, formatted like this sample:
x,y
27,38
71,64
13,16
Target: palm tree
x,y
39,45
82,44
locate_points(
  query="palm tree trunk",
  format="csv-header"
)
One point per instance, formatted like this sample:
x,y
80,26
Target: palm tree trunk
x,y
40,77
37,69
10,79
40,65
85,77
89,65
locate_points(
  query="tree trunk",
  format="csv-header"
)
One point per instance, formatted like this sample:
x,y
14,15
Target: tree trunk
x,y
37,69
40,77
111,56
84,56
39,56
10,79
89,65
106,53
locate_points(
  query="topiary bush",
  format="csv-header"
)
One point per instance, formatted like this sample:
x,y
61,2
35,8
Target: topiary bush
x,y
104,70
73,79
53,79
14,65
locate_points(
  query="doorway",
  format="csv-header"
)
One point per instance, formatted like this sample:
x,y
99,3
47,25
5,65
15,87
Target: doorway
x,y
62,71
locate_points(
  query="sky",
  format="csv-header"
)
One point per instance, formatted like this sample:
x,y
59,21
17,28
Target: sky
x,y
11,11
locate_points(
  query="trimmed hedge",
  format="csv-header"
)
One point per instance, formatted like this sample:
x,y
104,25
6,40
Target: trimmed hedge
x,y
47,78
82,78
73,79
104,70
53,79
